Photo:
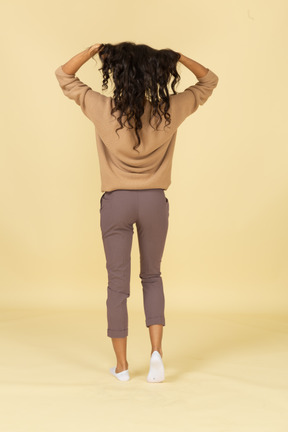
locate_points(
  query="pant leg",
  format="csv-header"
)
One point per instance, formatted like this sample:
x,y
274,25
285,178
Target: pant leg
x,y
117,215
152,227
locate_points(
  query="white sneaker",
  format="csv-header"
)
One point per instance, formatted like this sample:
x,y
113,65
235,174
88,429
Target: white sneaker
x,y
156,372
122,376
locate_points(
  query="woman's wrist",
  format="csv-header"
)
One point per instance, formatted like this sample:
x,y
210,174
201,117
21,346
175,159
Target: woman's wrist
x,y
198,69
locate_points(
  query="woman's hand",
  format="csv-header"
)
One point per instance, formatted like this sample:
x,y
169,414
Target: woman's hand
x,y
94,49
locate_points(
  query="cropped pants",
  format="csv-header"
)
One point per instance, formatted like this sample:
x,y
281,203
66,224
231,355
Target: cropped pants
x,y
119,210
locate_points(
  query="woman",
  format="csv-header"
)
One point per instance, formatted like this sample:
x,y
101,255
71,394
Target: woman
x,y
135,159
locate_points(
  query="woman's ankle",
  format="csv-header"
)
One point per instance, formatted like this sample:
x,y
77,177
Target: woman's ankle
x,y
157,349
121,367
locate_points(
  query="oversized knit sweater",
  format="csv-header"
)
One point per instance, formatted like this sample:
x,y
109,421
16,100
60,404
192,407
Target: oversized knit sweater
x,y
122,167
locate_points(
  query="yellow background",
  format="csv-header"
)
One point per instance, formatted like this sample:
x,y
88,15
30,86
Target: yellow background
x,y
227,242
226,249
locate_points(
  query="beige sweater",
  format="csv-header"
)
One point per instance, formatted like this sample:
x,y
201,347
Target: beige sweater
x,y
121,167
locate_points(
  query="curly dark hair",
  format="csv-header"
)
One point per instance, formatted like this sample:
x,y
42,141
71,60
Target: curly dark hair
x,y
139,72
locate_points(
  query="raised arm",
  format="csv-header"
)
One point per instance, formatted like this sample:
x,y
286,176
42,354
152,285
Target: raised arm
x,y
198,70
187,102
72,65
91,102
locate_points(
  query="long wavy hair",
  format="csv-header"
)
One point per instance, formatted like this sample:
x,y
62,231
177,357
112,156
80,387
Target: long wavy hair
x,y
139,72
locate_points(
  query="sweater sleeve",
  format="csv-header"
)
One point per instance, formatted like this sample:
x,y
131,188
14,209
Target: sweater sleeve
x,y
89,100
187,102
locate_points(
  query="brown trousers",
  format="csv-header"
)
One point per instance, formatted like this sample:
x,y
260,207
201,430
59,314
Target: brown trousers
x,y
119,210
